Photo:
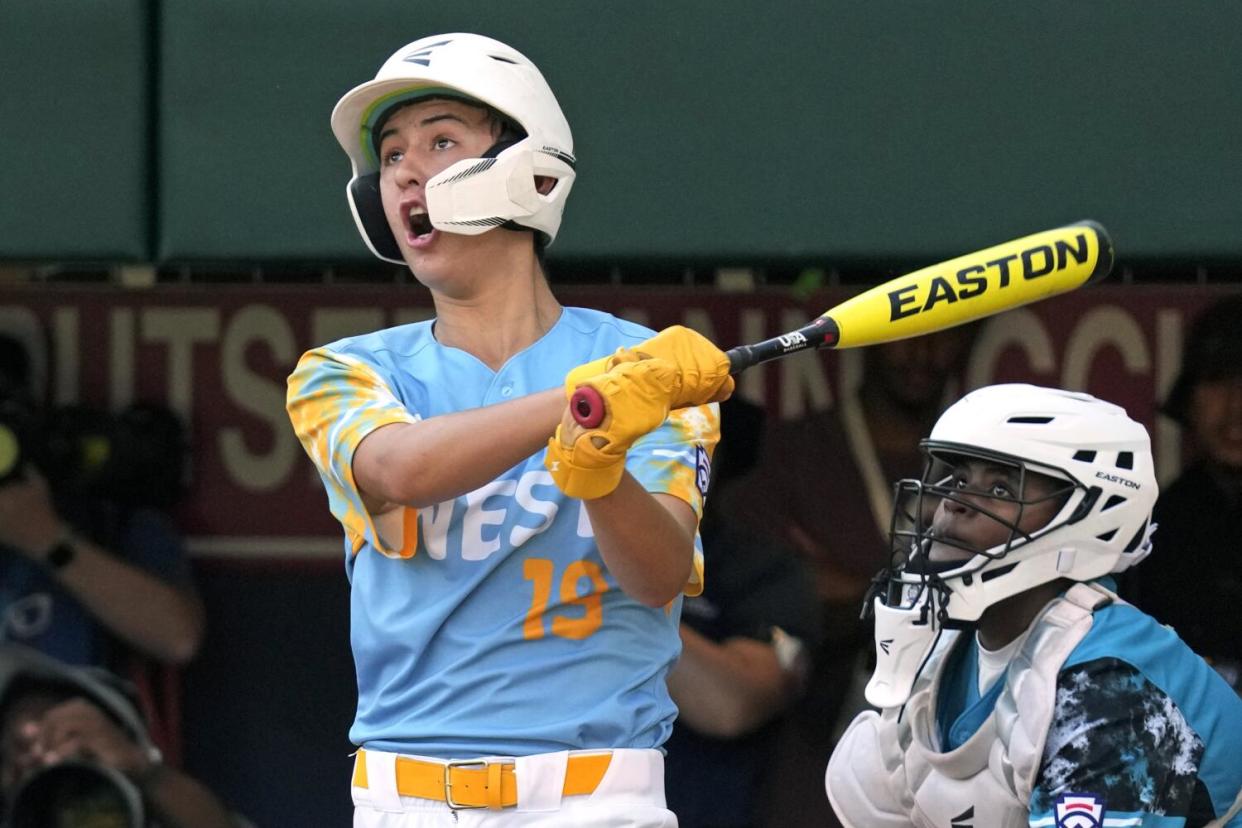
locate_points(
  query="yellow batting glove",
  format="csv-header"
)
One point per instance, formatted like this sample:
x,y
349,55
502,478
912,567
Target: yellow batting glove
x,y
702,368
587,464
579,376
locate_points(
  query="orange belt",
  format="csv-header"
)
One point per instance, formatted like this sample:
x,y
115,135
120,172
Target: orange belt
x,y
475,783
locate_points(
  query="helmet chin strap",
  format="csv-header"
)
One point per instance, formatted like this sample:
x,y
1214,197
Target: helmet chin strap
x,y
502,145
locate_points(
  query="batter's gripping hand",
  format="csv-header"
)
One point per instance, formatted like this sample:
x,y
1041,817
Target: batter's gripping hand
x,y
702,368
587,464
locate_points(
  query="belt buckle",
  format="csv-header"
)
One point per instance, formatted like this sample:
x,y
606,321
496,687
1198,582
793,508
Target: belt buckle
x,y
448,781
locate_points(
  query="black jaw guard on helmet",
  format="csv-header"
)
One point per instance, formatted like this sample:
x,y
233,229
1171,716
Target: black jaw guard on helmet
x,y
364,192
365,195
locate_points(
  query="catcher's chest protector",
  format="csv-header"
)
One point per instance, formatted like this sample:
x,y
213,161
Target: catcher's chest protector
x,y
898,768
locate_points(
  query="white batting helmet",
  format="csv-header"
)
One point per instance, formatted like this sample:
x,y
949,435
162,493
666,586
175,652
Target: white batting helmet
x,y
473,195
1100,457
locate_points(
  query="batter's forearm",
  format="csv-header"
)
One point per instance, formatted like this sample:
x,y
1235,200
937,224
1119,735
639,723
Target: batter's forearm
x,y
646,540
437,459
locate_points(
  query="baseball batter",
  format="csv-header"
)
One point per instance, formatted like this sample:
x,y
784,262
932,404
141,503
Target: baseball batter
x,y
515,583
1015,688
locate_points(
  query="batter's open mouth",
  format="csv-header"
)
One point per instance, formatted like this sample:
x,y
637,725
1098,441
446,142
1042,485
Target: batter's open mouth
x,y
420,223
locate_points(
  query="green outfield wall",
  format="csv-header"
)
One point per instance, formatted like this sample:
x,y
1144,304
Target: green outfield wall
x,y
719,130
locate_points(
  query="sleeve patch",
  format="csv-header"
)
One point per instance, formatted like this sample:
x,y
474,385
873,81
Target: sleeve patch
x,y
703,469
1079,811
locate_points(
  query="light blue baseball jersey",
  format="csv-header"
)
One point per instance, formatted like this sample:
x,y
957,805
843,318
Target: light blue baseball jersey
x,y
488,624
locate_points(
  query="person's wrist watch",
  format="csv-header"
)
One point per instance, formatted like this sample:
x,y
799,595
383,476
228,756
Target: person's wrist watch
x,y
788,649
155,767
62,552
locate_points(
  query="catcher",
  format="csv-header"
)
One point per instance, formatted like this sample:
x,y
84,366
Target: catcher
x,y
1015,688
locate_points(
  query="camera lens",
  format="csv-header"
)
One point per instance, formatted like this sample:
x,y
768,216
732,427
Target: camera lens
x,y
79,795
10,453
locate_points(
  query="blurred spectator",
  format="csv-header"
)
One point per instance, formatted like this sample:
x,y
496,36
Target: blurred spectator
x,y
89,556
1193,579
745,644
823,486
14,369
74,751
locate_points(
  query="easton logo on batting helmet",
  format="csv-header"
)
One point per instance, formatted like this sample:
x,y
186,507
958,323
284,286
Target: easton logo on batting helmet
x,y
1079,811
423,56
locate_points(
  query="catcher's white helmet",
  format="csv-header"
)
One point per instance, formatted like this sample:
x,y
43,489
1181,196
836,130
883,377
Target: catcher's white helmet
x,y
1100,463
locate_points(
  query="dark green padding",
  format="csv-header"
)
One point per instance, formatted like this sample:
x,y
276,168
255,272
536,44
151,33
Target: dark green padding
x,y
74,134
713,129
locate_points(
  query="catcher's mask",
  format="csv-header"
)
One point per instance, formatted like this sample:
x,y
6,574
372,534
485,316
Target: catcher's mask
x,y
1078,461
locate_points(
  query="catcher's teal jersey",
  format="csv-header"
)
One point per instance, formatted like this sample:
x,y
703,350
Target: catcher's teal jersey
x,y
488,624
1143,732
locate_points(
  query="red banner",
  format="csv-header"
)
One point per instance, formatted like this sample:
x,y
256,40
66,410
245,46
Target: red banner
x,y
219,356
